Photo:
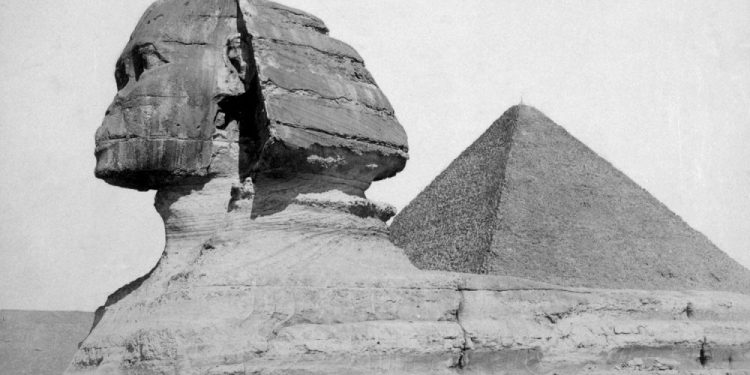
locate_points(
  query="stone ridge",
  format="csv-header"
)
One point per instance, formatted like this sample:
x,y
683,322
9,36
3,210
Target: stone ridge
x,y
529,200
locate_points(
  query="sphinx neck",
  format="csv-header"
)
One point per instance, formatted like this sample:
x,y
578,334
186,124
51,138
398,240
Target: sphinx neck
x,y
192,213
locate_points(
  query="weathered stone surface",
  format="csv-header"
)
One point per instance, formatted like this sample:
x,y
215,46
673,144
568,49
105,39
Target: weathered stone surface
x,y
259,79
529,200
159,127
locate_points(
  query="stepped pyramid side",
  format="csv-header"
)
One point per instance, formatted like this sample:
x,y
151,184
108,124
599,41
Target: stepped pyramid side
x,y
548,208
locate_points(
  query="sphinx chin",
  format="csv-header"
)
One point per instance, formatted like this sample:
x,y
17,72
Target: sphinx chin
x,y
146,164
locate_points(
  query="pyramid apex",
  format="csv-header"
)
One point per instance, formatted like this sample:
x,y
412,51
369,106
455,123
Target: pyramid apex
x,y
524,110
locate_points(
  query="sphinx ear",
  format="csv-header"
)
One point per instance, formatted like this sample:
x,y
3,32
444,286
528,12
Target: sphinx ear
x,y
237,71
241,116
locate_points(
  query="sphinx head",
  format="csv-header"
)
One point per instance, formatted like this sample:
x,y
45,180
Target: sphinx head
x,y
244,88
171,78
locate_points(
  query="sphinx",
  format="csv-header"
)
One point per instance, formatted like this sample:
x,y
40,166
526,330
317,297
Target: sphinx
x,y
261,134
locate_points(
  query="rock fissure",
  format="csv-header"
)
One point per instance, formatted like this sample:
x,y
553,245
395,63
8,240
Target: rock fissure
x,y
295,286
502,290
220,16
346,136
139,96
305,46
379,111
463,360
185,42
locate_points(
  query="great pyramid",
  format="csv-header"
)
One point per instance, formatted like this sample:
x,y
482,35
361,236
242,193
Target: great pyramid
x,y
527,199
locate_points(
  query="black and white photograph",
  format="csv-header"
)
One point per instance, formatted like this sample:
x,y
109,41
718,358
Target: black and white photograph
x,y
401,187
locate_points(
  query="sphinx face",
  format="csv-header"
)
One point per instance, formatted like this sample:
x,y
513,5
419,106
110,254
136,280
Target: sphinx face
x,y
178,66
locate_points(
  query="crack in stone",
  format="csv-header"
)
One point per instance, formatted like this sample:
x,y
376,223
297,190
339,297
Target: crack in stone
x,y
463,360
383,112
328,53
345,136
185,43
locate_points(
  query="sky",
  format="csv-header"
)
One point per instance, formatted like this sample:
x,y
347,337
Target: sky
x,y
660,89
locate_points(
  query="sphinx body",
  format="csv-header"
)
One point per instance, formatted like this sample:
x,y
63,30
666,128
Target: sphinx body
x,y
261,135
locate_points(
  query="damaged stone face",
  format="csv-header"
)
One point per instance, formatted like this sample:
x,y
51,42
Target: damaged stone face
x,y
160,125
248,88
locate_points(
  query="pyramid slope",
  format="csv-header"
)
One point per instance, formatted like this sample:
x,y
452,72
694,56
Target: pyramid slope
x,y
454,214
527,199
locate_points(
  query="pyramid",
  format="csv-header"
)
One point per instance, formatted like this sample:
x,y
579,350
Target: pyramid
x,y
527,199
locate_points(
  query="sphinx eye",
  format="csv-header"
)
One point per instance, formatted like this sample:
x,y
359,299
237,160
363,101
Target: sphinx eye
x,y
121,75
146,57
